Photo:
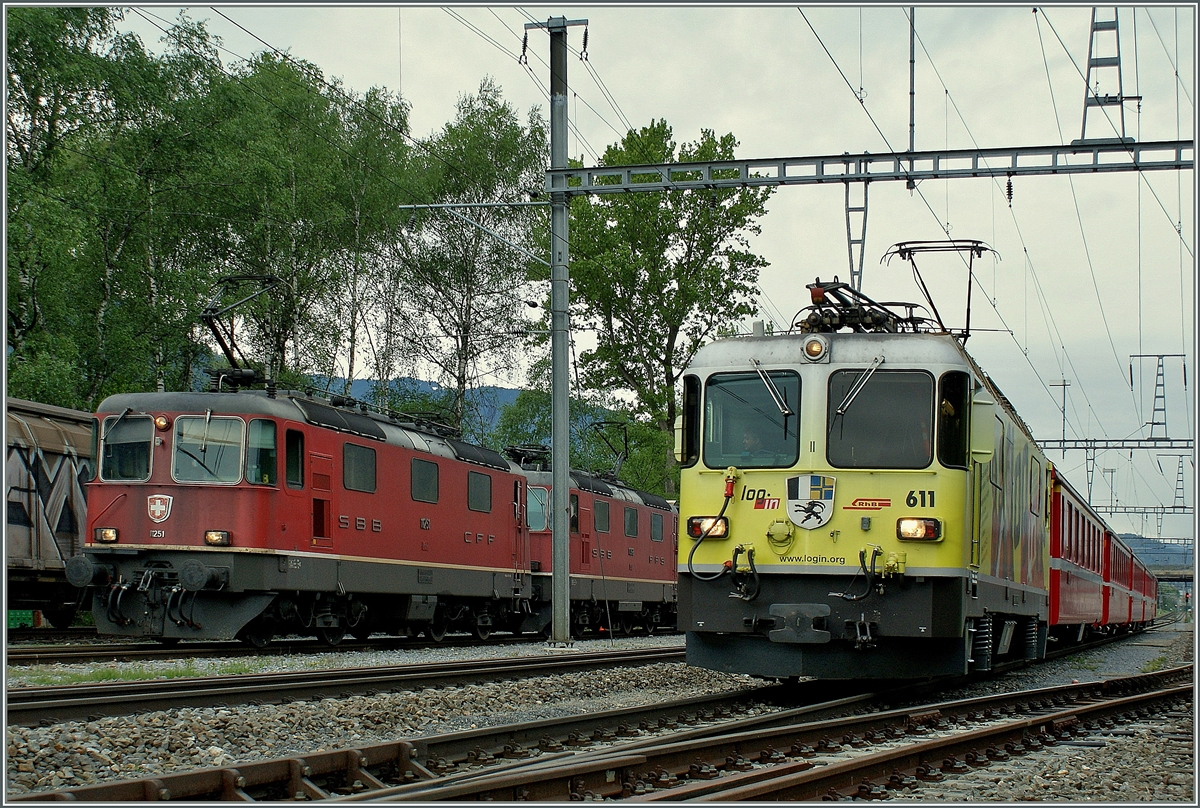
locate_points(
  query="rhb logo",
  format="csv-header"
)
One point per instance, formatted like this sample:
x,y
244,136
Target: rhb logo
x,y
159,507
867,504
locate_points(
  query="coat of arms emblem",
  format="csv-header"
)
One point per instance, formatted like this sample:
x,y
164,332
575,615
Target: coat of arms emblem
x,y
159,507
810,500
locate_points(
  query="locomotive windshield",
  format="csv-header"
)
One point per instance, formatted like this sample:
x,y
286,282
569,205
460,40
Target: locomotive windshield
x,y
125,453
208,449
890,425
744,425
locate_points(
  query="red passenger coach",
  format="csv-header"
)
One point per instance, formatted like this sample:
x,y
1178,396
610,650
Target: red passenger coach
x,y
1097,584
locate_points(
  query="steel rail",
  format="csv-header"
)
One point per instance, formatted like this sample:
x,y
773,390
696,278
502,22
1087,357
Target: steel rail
x,y
32,705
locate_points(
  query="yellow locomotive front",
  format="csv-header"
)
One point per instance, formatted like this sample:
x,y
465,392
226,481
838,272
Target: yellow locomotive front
x,y
832,511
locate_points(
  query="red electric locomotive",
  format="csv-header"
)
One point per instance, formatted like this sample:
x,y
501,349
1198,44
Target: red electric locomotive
x,y
622,545
253,514
1097,584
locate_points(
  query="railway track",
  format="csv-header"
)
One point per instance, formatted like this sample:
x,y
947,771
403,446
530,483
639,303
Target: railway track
x,y
705,749
95,651
33,705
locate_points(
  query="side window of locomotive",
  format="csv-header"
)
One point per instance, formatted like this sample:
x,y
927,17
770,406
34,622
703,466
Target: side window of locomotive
x,y
358,468
479,491
656,527
996,466
126,448
885,423
208,449
424,480
1035,486
573,510
952,435
745,426
261,461
536,510
87,470
600,510
690,450
295,458
631,522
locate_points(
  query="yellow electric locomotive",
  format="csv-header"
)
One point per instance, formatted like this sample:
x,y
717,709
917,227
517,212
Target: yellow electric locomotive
x,y
857,500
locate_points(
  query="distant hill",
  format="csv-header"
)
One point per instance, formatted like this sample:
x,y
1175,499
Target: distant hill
x,y
1157,553
491,399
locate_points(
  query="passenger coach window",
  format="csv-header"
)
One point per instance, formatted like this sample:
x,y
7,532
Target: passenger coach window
x,y
656,524
744,425
953,402
424,480
536,510
260,459
479,491
631,522
887,423
208,449
295,458
601,512
358,468
126,448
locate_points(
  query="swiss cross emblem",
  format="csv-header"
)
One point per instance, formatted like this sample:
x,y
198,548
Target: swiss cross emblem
x,y
159,507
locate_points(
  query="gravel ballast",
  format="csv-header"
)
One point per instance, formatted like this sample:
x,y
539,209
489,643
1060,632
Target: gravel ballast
x,y
75,753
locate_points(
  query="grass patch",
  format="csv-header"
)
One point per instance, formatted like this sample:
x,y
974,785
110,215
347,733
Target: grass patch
x,y
1156,664
182,670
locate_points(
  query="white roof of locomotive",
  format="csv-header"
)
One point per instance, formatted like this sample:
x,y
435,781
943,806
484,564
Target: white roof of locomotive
x,y
787,350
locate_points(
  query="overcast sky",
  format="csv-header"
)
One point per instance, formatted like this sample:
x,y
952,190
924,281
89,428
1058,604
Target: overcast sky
x,y
1091,268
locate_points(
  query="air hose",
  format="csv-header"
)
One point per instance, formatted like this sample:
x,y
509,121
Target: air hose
x,y
870,574
730,480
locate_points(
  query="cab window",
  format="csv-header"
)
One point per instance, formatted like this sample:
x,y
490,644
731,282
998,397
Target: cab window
x,y
745,423
479,491
886,422
125,448
358,468
536,509
631,522
208,449
260,453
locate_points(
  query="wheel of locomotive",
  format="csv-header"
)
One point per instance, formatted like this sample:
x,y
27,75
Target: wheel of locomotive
x,y
256,635
625,626
435,629
331,635
60,617
481,632
168,642
362,632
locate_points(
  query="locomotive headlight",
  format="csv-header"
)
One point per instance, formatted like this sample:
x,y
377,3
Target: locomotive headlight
x,y
918,529
816,349
161,422
716,528
216,538
108,535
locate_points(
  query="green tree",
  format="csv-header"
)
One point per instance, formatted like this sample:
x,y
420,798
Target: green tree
x,y
463,290
657,274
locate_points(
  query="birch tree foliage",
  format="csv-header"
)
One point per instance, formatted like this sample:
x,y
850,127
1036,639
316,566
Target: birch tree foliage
x,y
655,275
462,297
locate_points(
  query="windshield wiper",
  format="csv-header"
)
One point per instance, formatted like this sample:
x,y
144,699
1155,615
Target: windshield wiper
x,y
204,439
113,425
859,384
772,389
